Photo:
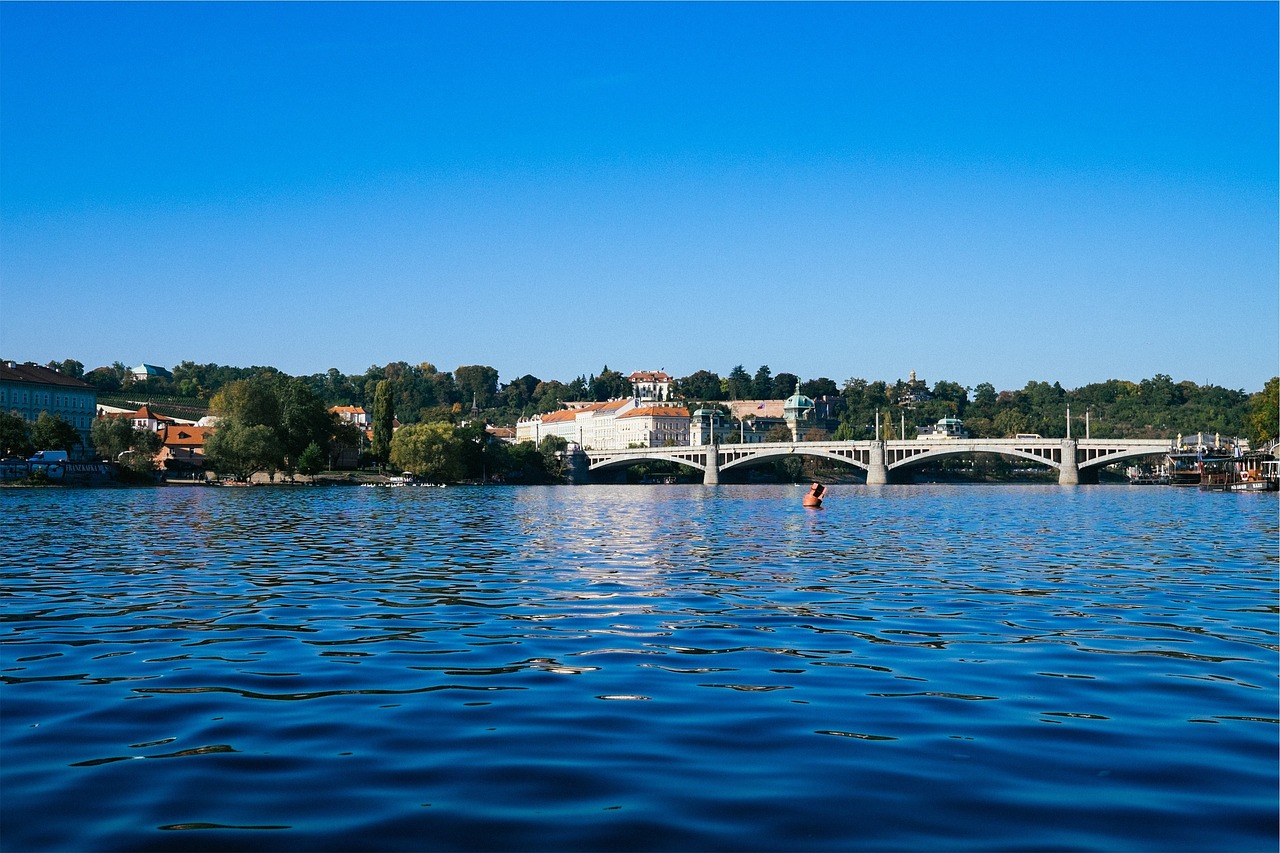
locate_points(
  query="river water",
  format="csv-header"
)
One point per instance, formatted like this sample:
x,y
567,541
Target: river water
x,y
639,668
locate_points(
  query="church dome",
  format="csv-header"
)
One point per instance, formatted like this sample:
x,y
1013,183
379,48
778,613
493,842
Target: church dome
x,y
797,405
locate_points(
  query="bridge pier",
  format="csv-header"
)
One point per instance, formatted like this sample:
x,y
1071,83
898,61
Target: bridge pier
x,y
711,476
1069,472
877,471
577,466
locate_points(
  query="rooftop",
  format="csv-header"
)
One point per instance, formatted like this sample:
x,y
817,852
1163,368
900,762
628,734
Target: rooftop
x,y
12,371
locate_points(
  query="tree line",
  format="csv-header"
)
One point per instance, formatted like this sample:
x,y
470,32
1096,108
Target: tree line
x,y
269,420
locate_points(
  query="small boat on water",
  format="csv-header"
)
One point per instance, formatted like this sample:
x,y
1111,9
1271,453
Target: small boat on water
x,y
400,482
1249,472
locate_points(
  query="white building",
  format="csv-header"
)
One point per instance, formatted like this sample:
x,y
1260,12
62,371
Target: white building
x,y
612,425
354,415
650,385
144,371
654,426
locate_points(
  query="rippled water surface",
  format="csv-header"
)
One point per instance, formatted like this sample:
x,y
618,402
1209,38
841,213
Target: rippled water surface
x,y
639,668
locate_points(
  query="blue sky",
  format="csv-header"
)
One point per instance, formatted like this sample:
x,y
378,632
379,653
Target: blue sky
x,y
978,192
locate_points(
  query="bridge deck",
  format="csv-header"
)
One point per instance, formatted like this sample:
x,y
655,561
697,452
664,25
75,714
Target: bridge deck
x,y
1088,453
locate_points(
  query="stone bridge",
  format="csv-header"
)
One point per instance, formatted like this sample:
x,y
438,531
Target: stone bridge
x,y
1077,460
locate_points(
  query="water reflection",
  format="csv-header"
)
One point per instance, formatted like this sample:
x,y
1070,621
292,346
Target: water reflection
x,y
511,655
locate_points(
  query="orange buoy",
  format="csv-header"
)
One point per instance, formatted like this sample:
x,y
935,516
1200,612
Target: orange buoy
x,y
814,496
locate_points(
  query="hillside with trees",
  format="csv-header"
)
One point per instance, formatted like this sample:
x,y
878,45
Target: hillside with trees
x,y
270,421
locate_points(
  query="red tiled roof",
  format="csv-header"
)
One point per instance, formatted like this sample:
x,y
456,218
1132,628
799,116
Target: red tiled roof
x,y
145,413
186,436
657,412
11,371
649,376
351,410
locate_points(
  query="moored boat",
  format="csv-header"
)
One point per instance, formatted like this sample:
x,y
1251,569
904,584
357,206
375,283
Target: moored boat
x,y
1187,460
1249,472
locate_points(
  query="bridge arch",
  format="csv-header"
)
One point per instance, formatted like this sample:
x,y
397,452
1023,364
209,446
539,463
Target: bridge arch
x,y
759,454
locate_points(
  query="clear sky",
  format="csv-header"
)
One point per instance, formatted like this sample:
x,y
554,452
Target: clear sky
x,y
998,193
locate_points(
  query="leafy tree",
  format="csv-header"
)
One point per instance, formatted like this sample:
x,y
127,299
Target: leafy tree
x,y
523,463
701,385
311,460
1010,422
609,385
346,435
140,458
476,382
432,451
68,367
815,388
739,383
53,432
105,379
249,402
15,436
887,431
304,419
762,384
517,395
548,396
1160,391
1265,412
984,400
240,450
112,436
784,385
383,422
553,464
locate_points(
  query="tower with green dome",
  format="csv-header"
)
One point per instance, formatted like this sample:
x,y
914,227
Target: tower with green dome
x,y
797,408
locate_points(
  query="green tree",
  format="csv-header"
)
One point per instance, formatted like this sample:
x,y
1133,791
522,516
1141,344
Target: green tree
x,y
762,383
821,387
242,450
68,367
984,401
112,436
52,432
141,456
105,379
304,420
311,460
701,385
476,382
609,385
523,463
784,385
1264,412
739,382
1010,422
249,402
15,436
431,451
552,463
384,417
346,435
